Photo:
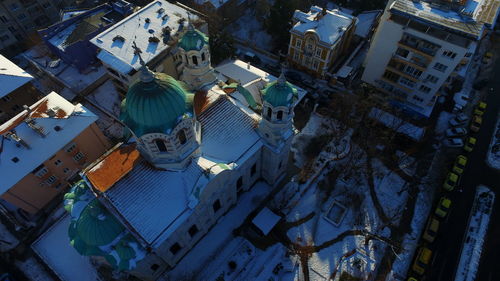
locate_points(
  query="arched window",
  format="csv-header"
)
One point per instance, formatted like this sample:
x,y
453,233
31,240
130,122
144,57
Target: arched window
x,y
269,113
195,60
202,56
279,115
181,135
161,145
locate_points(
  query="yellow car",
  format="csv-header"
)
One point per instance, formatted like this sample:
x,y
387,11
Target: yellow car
x,y
451,181
480,108
475,125
469,144
460,163
422,260
431,230
443,207
412,279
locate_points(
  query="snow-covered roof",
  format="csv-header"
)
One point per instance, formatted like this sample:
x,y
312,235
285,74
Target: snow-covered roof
x,y
54,248
365,22
116,43
11,76
329,26
397,124
140,192
470,21
252,78
57,119
266,220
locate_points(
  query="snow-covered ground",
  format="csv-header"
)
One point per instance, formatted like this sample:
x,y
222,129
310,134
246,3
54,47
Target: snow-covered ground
x,y
442,123
493,158
54,249
473,241
219,237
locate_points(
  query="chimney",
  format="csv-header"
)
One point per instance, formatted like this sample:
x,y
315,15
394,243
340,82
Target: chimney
x,y
248,65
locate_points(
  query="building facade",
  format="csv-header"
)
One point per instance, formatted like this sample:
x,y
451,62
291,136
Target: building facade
x,y
17,89
318,39
19,19
189,159
43,147
154,30
419,45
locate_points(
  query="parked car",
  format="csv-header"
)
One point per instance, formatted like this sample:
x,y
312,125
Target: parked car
x,y
454,142
431,230
475,125
458,120
480,108
412,279
422,260
293,76
443,207
460,164
487,56
451,181
469,144
456,132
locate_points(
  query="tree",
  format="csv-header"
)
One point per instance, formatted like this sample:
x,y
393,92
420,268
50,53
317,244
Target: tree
x,y
221,46
262,9
279,22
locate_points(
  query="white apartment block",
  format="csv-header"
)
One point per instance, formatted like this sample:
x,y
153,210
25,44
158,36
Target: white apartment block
x,y
420,45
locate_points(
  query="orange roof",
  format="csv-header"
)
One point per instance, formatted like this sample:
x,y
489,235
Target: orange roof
x,y
200,102
113,167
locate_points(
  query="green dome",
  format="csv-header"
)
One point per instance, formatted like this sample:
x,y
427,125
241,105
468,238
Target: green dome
x,y
96,226
193,40
154,106
279,93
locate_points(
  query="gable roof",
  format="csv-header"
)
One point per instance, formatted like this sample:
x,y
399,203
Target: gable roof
x,y
11,76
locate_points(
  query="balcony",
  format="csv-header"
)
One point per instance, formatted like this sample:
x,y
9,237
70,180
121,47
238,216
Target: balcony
x,y
392,90
400,72
413,61
418,48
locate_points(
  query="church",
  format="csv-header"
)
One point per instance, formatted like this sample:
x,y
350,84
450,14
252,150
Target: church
x,y
193,147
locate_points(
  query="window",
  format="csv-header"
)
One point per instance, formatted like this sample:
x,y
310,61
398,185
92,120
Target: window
x,y
417,98
195,60
40,171
161,145
58,162
296,56
269,113
216,206
424,89
51,180
21,16
254,169
449,54
193,230
412,71
16,107
402,52
78,156
70,148
406,82
12,29
45,5
66,170
6,98
298,43
440,67
155,267
468,54
175,248
3,19
279,116
202,56
318,53
181,135
315,64
431,78
389,75
279,166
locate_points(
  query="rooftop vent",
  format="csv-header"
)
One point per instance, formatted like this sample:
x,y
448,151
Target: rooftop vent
x,y
118,38
15,159
148,20
57,128
160,11
154,39
165,17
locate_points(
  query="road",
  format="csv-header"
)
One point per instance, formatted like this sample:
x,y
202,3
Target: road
x,y
447,246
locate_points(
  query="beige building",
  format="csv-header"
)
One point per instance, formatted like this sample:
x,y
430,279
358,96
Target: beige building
x,y
419,46
153,31
318,38
21,18
43,148
16,89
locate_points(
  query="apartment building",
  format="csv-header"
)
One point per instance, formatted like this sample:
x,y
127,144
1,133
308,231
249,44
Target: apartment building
x,y
153,32
21,18
16,89
319,38
43,148
420,44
